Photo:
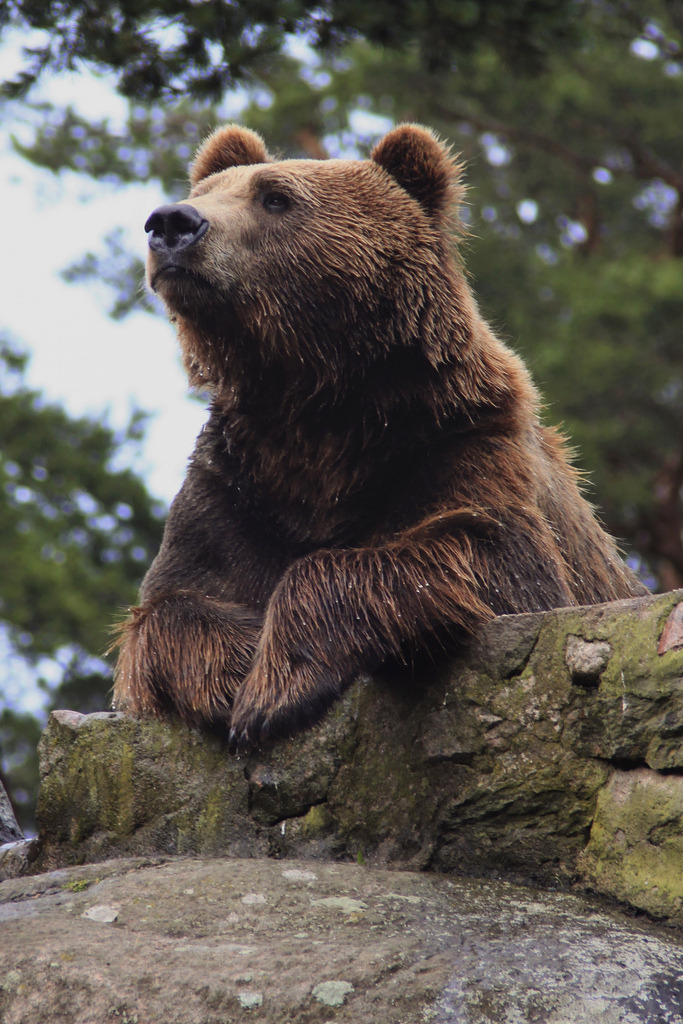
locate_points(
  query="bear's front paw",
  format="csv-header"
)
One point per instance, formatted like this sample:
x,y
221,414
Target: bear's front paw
x,y
273,704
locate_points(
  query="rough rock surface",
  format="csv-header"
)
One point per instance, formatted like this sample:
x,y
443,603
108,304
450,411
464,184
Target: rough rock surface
x,y
9,829
635,849
493,766
220,941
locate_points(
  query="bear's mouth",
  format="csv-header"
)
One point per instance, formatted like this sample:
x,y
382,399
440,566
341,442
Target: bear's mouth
x,y
171,277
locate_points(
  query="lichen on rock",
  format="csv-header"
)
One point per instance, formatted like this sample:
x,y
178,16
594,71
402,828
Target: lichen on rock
x,y
426,947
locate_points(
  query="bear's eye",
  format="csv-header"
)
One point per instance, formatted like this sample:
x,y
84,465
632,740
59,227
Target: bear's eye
x,y
275,202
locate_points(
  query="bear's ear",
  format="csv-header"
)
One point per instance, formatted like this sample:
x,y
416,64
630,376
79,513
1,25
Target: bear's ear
x,y
230,146
421,165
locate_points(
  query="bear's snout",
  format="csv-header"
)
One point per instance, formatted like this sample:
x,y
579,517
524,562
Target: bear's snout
x,y
175,226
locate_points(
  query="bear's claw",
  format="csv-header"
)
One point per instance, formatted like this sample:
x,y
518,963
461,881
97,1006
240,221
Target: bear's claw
x,y
244,741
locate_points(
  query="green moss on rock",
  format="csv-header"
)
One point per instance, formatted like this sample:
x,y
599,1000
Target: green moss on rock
x,y
635,851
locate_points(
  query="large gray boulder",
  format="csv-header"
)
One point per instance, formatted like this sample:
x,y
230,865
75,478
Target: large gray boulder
x,y
550,752
221,941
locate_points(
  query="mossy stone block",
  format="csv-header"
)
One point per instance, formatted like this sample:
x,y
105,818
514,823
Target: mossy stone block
x,y
635,851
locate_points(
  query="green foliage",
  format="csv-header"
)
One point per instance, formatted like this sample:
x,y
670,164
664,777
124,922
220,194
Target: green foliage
x,y
116,268
604,338
170,47
76,533
155,142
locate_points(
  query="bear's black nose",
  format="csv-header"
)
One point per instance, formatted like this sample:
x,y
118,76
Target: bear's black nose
x,y
175,227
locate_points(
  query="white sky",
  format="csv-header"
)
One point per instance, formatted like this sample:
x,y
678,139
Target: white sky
x,y
79,356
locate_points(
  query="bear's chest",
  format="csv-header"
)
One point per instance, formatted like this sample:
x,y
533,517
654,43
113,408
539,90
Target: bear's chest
x,y
307,495
308,492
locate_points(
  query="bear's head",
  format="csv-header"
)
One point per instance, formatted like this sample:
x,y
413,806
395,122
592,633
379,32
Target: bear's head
x,y
321,266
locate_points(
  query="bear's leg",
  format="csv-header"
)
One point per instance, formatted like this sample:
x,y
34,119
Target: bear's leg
x,y
187,654
336,613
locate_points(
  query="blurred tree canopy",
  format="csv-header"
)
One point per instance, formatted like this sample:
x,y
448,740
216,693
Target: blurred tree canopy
x,y
567,113
174,47
73,528
75,535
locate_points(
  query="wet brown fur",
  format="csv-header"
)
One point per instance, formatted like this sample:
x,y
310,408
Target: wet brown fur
x,y
373,470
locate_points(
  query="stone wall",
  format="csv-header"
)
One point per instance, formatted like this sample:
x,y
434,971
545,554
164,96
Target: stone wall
x,y
550,752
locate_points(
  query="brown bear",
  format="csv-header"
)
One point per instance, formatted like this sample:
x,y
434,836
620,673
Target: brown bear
x,y
373,472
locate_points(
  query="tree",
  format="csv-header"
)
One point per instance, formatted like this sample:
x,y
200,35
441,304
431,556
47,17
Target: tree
x,y
76,533
169,48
